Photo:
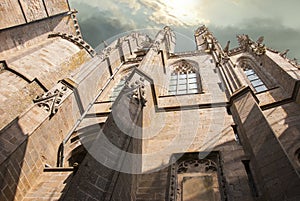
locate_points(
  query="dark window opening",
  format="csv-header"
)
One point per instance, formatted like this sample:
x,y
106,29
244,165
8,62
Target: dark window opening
x,y
236,134
297,156
251,181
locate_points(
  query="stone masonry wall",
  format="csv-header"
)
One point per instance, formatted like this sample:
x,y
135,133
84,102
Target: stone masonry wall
x,y
276,177
14,13
28,153
284,121
18,94
22,37
105,173
187,123
281,70
30,142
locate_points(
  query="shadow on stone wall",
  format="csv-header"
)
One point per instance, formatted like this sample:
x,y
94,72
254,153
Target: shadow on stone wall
x,y
105,172
287,127
275,174
20,35
13,145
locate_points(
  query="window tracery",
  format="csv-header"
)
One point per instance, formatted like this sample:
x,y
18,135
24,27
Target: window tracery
x,y
193,178
184,79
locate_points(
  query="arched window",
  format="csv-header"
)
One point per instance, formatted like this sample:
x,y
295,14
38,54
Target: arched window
x,y
257,76
254,79
297,156
117,89
192,178
124,76
184,79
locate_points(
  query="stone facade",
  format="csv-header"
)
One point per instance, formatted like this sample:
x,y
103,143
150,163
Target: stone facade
x,y
137,121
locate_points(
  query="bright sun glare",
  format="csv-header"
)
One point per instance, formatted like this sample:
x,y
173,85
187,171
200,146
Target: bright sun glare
x,y
187,11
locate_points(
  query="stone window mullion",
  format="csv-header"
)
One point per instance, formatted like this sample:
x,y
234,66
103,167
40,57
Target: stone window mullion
x,y
187,80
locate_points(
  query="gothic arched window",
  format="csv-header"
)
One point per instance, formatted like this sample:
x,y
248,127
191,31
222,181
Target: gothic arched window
x,y
117,89
254,79
192,178
255,74
184,79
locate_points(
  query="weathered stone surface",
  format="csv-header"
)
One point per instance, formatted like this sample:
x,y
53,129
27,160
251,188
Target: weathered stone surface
x,y
270,162
11,14
57,6
12,11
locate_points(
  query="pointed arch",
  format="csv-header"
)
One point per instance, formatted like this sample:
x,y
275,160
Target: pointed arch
x,y
117,89
184,78
124,74
255,77
257,84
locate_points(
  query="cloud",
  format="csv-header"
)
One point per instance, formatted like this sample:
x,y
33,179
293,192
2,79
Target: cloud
x,y
101,6
277,35
194,12
132,4
233,12
275,19
175,12
98,25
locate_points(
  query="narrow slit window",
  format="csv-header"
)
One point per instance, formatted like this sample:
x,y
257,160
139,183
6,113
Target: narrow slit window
x,y
251,181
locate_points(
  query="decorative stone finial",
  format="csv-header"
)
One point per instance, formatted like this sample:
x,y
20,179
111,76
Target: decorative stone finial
x,y
200,30
244,41
260,40
284,53
226,49
105,44
138,91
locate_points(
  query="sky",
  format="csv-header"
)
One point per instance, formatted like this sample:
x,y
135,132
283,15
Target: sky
x,y
276,20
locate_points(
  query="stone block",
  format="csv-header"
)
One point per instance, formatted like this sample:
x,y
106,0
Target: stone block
x,y
56,6
11,14
8,193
